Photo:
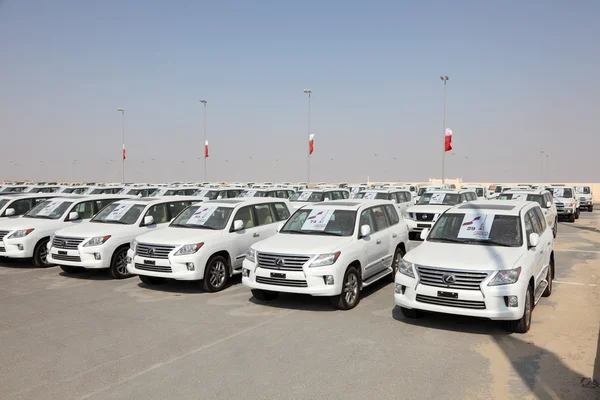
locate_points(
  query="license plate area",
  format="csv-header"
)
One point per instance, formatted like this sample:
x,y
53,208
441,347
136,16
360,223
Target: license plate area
x,y
277,275
149,262
62,252
448,295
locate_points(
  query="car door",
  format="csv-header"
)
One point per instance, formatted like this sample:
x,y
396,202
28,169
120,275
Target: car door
x,y
532,226
378,242
546,239
245,237
547,211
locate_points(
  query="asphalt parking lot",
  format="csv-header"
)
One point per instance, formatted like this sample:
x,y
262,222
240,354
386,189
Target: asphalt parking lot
x,y
91,337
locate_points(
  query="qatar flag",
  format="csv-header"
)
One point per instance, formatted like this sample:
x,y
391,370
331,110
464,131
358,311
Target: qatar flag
x,y
448,140
206,149
311,143
124,154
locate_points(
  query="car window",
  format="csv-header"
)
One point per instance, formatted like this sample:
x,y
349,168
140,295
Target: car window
x,y
263,214
176,207
379,217
528,227
85,209
245,215
100,204
366,218
159,213
541,220
392,214
345,194
21,206
280,211
336,195
327,196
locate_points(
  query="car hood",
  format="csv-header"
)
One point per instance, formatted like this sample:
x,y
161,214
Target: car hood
x,y
564,200
289,243
465,256
28,223
90,229
429,209
177,236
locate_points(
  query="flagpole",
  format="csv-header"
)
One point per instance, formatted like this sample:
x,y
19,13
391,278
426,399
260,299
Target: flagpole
x,y
445,79
122,111
204,144
308,91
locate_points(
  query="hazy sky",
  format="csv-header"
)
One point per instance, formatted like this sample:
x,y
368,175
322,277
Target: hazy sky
x,y
524,77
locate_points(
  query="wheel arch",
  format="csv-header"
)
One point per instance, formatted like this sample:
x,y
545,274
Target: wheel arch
x,y
225,254
112,256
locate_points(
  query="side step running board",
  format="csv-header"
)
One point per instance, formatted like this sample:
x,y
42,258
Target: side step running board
x,y
540,290
377,276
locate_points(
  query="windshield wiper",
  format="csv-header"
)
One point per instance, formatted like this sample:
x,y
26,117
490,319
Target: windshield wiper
x,y
194,226
116,222
295,231
490,243
328,233
448,240
40,216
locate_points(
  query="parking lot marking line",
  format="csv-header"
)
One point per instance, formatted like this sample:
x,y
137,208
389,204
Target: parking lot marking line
x,y
184,355
578,251
576,283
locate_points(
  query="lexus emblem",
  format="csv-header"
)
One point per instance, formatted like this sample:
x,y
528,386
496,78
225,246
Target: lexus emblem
x,y
280,262
448,279
151,251
424,216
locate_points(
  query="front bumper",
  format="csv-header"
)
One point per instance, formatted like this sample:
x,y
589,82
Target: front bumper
x,y
491,296
171,268
586,203
566,210
82,257
416,226
313,278
10,248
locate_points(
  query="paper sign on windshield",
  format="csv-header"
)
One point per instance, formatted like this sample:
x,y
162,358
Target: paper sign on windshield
x,y
201,215
519,196
250,193
437,198
317,220
355,190
476,226
304,196
161,192
579,189
49,208
202,193
119,211
558,192
370,195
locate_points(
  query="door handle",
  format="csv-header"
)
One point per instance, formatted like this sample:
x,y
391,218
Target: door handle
x,y
394,236
256,234
378,241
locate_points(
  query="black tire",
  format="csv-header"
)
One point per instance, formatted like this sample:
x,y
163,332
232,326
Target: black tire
x,y
577,212
152,280
216,274
549,275
118,264
555,229
264,295
410,312
40,254
398,254
71,270
350,296
571,217
591,208
523,324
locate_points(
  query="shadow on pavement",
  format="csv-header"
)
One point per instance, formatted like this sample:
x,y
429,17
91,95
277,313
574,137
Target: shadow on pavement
x,y
583,228
89,274
544,374
13,263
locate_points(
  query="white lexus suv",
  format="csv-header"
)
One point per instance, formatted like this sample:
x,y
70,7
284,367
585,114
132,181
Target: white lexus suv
x,y
401,197
540,196
329,249
318,195
491,259
103,242
207,242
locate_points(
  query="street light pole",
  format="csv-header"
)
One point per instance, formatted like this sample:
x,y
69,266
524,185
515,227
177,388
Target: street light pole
x,y
308,91
445,80
547,165
123,156
204,145
542,168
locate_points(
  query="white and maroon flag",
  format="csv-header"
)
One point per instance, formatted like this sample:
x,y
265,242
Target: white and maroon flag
x,y
448,140
124,154
206,149
311,143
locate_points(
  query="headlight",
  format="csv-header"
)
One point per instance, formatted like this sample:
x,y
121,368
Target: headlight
x,y
406,268
325,259
133,245
506,277
20,233
251,255
407,215
187,249
96,241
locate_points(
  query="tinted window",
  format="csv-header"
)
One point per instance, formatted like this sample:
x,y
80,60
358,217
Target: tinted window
x,y
100,204
245,215
176,207
392,214
366,218
263,214
528,227
541,220
21,206
345,195
159,213
379,217
336,196
280,211
535,222
85,209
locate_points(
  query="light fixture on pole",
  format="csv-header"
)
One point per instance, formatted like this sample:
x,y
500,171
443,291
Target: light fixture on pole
x,y
445,80
123,154
308,91
205,141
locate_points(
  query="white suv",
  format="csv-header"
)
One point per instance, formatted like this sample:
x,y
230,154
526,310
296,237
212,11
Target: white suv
x,y
402,198
28,236
16,205
480,190
489,259
300,199
207,242
540,196
103,242
430,206
328,249
428,188
567,201
586,197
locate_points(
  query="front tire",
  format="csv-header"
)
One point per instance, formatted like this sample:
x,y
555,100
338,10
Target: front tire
x,y
398,254
40,254
523,324
410,312
577,212
591,208
571,217
118,264
264,295
555,228
216,274
549,275
71,270
350,296
152,280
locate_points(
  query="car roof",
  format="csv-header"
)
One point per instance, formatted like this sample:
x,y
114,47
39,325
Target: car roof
x,y
499,207
321,190
353,204
165,199
386,190
526,191
244,201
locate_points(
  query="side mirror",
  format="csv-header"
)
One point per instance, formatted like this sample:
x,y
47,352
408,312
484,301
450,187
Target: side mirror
x,y
548,204
280,227
424,233
148,220
326,199
365,231
534,239
9,212
73,216
238,225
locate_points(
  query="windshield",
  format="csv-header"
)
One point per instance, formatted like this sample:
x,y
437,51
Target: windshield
x,y
79,190
566,193
119,213
203,217
210,194
14,189
479,229
49,209
253,193
421,191
479,192
448,199
307,197
373,195
583,190
320,221
498,189
3,203
538,198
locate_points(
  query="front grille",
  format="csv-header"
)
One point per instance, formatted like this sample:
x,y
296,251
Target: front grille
x,y
423,226
582,198
3,233
281,281
154,268
560,205
69,243
2,250
153,250
443,301
64,257
425,217
286,262
463,280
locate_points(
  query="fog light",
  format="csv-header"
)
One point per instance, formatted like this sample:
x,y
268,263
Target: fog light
x,y
398,288
20,246
190,266
128,260
97,256
328,279
245,272
512,301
